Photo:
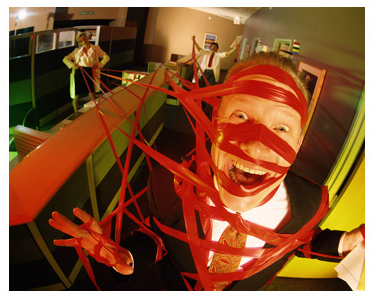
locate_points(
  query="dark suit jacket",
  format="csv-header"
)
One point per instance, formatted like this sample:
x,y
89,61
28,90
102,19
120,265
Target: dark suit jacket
x,y
166,207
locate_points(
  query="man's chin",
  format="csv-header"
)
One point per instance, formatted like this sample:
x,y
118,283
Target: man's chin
x,y
240,204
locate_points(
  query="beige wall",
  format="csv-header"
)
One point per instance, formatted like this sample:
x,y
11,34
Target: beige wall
x,y
42,18
174,27
120,20
98,13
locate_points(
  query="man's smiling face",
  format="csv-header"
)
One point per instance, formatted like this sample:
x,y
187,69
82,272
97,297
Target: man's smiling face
x,y
214,48
279,119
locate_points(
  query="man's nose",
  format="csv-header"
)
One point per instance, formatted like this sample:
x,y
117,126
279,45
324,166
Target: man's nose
x,y
255,149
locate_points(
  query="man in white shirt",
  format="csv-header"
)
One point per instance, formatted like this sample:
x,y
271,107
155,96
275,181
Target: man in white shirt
x,y
210,64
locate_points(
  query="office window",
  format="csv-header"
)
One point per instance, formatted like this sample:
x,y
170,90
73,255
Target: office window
x,y
66,39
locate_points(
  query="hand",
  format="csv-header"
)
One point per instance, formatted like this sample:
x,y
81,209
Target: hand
x,y
91,237
352,239
193,37
76,66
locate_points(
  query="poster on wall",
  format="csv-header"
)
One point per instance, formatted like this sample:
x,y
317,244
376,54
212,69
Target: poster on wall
x,y
283,46
314,77
208,39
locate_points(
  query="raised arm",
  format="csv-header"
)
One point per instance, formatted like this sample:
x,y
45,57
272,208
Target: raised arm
x,y
231,51
198,48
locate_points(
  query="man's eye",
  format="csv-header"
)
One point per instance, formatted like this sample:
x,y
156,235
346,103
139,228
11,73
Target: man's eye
x,y
282,128
241,115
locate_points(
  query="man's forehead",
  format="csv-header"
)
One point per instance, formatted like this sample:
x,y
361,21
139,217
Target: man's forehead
x,y
269,82
243,97
246,102
267,79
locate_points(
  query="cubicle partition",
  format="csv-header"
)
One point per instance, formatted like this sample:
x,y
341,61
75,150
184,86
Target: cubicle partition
x,y
120,44
20,89
74,168
39,80
51,82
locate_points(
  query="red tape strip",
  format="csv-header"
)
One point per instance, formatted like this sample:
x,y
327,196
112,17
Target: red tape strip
x,y
186,180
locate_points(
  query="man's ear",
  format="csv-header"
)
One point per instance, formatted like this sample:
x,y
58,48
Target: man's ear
x,y
300,140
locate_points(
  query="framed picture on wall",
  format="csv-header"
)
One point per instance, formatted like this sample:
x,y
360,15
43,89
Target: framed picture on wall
x,y
208,39
283,46
314,77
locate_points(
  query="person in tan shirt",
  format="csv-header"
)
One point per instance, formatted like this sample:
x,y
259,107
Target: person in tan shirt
x,y
89,57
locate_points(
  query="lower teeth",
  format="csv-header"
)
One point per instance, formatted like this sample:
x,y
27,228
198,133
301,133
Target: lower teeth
x,y
246,179
232,174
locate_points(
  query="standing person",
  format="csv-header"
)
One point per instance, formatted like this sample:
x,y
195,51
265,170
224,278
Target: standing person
x,y
88,57
210,64
267,212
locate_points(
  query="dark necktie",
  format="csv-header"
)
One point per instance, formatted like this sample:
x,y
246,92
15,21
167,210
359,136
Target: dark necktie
x,y
210,60
222,263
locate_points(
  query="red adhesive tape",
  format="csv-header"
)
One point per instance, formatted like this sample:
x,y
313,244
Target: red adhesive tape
x,y
223,135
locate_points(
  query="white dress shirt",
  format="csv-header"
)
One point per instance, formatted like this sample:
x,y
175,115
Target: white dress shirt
x,y
272,215
215,62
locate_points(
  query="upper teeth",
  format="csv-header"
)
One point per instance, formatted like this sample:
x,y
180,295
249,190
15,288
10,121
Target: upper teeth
x,y
246,169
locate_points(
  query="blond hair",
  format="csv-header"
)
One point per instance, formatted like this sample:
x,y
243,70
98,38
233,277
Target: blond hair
x,y
81,33
274,59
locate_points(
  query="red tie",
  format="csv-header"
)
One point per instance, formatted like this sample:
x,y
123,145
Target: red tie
x,y
222,263
210,60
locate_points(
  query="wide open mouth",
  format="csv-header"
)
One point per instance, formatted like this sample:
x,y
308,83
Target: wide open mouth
x,y
243,175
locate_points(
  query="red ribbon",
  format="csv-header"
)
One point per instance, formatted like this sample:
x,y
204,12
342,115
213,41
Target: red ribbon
x,y
186,180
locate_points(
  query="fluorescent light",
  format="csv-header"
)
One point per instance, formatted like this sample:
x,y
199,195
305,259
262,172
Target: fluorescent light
x,y
21,14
